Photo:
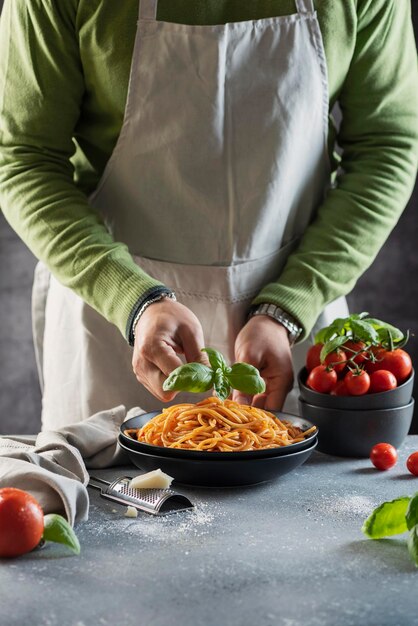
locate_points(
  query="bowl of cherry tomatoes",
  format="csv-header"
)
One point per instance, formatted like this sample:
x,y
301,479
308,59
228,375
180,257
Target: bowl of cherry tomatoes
x,y
357,385
377,390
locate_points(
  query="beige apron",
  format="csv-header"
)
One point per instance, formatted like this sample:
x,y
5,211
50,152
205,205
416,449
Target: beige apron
x,y
218,170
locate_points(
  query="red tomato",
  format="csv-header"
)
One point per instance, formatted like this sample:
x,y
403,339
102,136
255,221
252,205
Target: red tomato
x,y
382,380
412,463
398,362
21,522
312,356
354,346
339,357
340,389
358,383
322,379
383,456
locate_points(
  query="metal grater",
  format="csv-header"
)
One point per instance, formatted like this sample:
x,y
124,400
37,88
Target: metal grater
x,y
154,501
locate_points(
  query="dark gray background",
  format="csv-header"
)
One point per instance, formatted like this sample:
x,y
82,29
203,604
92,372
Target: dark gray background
x,y
389,290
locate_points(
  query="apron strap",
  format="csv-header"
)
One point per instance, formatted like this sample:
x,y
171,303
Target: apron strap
x,y
304,6
148,10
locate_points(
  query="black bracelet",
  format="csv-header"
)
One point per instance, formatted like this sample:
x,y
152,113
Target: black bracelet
x,y
151,294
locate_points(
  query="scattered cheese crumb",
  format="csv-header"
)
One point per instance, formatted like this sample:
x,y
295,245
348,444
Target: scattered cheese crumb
x,y
131,511
153,480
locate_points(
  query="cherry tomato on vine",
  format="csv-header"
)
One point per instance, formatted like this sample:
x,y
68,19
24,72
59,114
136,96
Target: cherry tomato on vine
x,y
398,362
358,382
21,522
355,346
382,380
412,463
312,356
322,379
383,456
373,365
339,356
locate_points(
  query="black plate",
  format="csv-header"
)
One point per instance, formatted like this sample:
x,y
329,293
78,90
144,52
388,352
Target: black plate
x,y
147,448
216,472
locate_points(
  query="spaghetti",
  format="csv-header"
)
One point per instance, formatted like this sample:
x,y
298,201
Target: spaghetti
x,y
213,425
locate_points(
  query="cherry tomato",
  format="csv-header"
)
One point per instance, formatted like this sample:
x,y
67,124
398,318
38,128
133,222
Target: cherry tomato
x,y
358,383
322,379
340,389
398,362
382,380
21,522
412,463
312,356
383,456
339,356
355,346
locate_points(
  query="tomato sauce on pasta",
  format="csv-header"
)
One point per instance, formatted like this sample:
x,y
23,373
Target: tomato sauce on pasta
x,y
218,426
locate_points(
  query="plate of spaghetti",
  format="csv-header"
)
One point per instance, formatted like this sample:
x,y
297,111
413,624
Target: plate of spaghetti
x,y
214,427
218,443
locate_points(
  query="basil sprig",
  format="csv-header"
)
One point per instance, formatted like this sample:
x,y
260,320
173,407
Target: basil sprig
x,y
394,518
196,377
359,327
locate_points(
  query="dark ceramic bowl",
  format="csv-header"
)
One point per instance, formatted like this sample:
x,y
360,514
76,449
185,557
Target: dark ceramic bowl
x,y
398,397
140,420
215,472
354,433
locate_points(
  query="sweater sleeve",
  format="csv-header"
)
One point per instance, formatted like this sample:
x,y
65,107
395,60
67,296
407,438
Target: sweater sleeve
x,y
41,92
379,140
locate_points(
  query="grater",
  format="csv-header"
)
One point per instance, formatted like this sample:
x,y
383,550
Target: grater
x,y
154,501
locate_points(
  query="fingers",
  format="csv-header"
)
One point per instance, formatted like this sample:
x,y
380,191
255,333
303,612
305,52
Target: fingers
x,y
241,398
192,341
152,366
275,400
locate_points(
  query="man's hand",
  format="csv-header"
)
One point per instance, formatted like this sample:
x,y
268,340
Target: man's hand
x,y
264,343
165,329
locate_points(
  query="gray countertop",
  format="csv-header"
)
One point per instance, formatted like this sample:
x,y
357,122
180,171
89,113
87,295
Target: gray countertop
x,y
286,553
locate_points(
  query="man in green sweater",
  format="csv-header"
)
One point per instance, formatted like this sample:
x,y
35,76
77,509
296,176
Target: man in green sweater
x,y
191,154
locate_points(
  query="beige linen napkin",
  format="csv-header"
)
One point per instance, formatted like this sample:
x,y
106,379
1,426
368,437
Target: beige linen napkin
x,y
53,465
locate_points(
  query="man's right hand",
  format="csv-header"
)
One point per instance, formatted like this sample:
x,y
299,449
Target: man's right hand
x,y
165,330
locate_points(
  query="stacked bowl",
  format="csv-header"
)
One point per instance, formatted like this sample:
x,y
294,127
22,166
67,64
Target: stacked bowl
x,y
217,469
351,425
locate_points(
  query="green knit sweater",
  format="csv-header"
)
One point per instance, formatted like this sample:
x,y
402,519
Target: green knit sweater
x,y
64,69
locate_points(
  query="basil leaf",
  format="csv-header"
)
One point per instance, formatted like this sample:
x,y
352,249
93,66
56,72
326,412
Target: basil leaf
x,y
221,385
387,519
413,544
331,346
194,377
364,331
337,327
246,378
216,359
397,335
325,334
342,324
363,315
412,512
58,530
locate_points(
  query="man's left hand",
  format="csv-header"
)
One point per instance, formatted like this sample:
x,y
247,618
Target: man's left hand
x,y
264,343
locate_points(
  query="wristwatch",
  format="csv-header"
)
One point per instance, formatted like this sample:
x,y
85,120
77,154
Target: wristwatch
x,y
283,318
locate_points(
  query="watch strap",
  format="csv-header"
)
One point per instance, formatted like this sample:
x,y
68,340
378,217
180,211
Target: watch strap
x,y
281,316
